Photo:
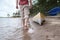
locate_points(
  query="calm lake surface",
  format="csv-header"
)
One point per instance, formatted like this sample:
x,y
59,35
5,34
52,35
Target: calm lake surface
x,y
8,26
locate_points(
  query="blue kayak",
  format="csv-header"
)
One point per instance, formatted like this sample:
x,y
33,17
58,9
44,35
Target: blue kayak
x,y
54,11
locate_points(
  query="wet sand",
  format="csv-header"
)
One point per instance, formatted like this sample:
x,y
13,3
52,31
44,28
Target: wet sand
x,y
49,31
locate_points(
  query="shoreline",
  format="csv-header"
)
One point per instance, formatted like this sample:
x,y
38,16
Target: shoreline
x,y
9,17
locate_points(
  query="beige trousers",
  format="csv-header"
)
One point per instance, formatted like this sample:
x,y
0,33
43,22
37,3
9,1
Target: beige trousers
x,y
24,12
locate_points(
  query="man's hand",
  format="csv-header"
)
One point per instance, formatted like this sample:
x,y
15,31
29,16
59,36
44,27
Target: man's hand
x,y
16,4
16,7
30,6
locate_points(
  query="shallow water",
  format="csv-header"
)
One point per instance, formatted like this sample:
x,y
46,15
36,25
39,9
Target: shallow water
x,y
8,26
10,29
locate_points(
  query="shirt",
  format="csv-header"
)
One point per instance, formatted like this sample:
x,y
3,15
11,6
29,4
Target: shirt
x,y
23,2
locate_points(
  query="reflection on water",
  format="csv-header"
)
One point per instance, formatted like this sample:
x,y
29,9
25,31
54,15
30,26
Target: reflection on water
x,y
8,26
26,35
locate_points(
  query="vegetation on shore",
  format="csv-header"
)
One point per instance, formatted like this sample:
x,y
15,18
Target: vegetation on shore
x,y
44,6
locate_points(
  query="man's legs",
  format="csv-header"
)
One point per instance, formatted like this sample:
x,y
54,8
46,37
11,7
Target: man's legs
x,y
22,15
26,16
24,12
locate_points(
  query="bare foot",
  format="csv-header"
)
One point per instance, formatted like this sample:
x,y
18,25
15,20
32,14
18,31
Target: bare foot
x,y
25,27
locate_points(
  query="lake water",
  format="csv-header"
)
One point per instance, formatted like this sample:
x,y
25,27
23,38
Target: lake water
x,y
8,26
